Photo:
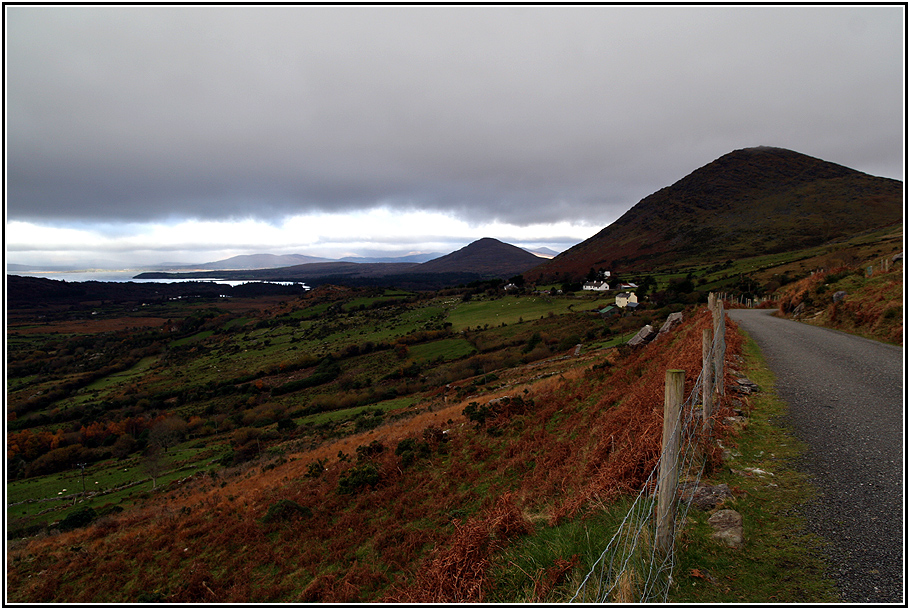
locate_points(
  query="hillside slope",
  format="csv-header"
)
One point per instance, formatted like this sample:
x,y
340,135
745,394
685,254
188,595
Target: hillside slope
x,y
368,522
748,202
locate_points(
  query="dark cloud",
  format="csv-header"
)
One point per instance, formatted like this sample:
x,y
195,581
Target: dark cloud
x,y
531,114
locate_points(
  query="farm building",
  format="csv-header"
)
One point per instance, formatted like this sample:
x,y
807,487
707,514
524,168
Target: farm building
x,y
608,311
598,286
625,299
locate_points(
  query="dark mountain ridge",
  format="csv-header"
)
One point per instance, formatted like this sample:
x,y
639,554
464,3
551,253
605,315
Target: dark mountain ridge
x,y
486,256
748,202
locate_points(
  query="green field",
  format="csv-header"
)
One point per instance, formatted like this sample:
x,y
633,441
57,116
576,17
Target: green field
x,y
514,309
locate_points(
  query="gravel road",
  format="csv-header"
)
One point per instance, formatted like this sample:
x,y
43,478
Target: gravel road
x,y
845,398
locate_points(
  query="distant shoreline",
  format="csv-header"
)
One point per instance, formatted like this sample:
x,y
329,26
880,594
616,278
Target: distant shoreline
x,y
131,276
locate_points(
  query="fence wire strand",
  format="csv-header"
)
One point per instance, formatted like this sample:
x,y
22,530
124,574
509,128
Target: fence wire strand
x,y
632,569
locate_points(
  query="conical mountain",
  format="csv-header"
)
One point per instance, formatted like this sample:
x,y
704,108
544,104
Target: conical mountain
x,y
748,202
487,257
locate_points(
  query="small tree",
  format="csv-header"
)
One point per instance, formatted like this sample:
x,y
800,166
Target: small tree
x,y
153,463
167,432
124,446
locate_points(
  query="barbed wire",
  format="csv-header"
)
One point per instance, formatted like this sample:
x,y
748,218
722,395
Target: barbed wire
x,y
632,568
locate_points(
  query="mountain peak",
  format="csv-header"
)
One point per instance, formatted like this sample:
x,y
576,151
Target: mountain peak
x,y
748,202
487,256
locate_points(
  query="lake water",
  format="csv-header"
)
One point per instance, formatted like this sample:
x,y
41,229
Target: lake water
x,y
128,276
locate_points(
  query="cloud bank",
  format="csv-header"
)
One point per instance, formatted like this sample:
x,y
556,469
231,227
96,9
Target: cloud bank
x,y
518,115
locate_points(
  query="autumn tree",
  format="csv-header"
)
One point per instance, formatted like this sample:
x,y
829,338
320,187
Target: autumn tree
x,y
153,463
167,432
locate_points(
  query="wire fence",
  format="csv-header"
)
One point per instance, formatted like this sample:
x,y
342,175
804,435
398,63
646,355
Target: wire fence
x,y
634,568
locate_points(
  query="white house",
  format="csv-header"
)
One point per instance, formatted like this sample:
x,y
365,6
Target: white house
x,y
598,286
624,299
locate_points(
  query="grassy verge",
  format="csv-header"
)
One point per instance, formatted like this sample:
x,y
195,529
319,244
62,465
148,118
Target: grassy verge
x,y
780,561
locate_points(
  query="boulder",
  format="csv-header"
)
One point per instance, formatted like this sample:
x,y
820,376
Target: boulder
x,y
745,386
672,320
728,527
705,497
643,336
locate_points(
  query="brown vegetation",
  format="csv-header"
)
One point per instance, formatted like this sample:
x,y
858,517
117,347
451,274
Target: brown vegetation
x,y
425,531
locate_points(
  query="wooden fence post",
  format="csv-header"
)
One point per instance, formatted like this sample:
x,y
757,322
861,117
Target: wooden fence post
x,y
707,380
669,459
721,347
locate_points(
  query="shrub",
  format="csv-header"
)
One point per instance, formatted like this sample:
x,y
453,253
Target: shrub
x,y
477,413
109,509
410,449
78,518
365,452
315,469
367,420
358,477
284,510
892,314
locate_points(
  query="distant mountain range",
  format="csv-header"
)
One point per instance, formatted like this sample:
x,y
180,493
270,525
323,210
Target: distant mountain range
x,y
746,203
259,261
246,262
483,259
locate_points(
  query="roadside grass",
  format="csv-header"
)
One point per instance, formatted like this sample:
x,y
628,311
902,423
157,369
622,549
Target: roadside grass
x,y
549,565
780,561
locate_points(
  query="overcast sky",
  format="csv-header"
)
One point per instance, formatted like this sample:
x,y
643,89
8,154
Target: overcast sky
x,y
165,133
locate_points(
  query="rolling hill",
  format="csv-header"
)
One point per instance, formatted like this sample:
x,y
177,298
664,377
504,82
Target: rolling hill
x,y
748,202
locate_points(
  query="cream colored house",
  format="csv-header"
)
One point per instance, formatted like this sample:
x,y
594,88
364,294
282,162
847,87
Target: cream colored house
x,y
623,299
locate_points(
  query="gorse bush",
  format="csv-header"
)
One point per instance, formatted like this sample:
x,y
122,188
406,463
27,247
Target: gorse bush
x,y
78,518
409,450
366,452
354,479
315,469
284,510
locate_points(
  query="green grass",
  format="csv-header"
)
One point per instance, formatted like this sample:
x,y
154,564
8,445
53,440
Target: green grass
x,y
513,309
123,376
183,460
349,414
445,349
580,541
192,338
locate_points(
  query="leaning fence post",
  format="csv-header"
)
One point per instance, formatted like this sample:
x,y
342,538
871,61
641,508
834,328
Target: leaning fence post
x,y
707,380
669,458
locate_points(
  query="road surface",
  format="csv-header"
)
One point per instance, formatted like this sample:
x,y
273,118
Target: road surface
x,y
845,398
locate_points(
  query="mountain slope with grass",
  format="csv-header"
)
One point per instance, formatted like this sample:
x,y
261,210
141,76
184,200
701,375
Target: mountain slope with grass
x,y
748,202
